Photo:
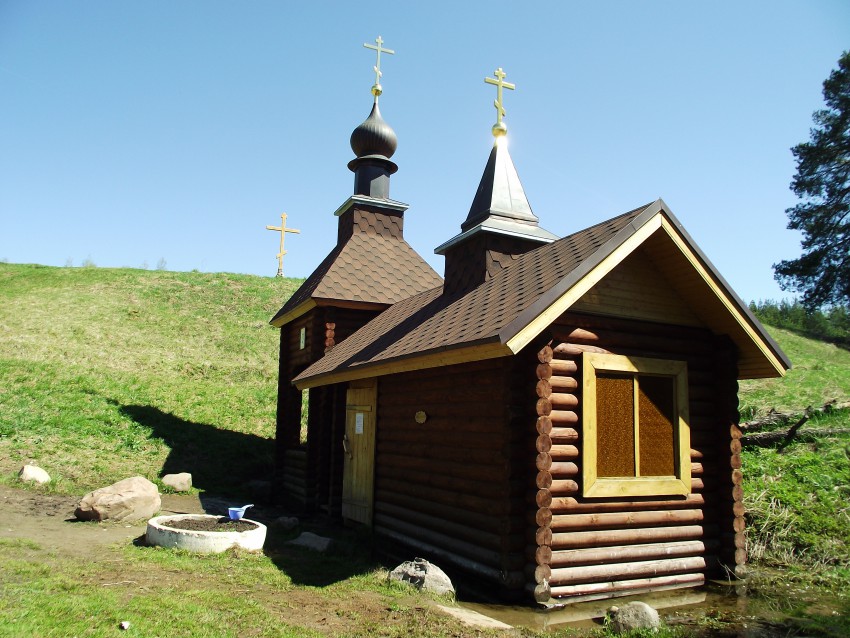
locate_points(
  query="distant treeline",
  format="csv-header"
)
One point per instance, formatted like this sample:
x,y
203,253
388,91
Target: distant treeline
x,y
832,324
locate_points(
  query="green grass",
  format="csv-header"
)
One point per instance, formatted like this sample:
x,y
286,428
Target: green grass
x,y
108,373
137,372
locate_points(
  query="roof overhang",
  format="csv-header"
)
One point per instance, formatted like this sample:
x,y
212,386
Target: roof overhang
x,y
309,304
421,361
696,281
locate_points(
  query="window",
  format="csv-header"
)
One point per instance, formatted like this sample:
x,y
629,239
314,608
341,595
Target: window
x,y
635,420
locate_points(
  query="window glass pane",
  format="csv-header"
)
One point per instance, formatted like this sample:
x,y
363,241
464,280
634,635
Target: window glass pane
x,y
615,428
656,418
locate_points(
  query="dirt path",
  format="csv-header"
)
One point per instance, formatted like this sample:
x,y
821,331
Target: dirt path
x,y
49,520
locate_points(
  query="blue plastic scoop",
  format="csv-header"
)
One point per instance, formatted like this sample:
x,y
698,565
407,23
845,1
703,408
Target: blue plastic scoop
x,y
236,513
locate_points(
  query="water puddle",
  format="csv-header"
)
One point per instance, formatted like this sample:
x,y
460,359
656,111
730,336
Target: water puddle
x,y
768,608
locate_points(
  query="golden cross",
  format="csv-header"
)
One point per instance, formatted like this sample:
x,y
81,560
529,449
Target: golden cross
x,y
499,127
282,229
377,89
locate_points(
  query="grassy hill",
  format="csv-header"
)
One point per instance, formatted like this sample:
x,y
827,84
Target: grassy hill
x,y
108,373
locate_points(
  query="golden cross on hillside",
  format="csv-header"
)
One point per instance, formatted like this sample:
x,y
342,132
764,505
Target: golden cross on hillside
x,y
499,127
377,89
282,229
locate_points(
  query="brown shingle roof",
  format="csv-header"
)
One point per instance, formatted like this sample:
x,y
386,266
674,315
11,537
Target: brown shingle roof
x,y
369,268
432,321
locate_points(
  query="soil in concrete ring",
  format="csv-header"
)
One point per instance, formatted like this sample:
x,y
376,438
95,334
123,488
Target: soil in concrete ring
x,y
209,524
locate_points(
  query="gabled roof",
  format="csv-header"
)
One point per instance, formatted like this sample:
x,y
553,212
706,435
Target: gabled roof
x,y
502,315
369,269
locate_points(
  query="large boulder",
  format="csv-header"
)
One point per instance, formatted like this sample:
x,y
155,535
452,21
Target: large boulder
x,y
632,616
33,474
424,576
132,499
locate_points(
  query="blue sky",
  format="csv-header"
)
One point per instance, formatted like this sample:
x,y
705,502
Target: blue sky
x,y
134,132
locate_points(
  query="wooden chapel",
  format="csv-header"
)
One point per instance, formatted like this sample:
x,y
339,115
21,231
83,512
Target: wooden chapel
x,y
558,417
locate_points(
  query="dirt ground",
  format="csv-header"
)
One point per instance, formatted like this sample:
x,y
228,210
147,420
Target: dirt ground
x,y
49,521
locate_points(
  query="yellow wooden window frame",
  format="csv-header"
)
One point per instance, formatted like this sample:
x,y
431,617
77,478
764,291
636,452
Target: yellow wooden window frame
x,y
601,487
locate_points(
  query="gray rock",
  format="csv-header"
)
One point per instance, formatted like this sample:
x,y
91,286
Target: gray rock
x,y
424,576
634,615
33,474
312,541
181,482
285,523
132,499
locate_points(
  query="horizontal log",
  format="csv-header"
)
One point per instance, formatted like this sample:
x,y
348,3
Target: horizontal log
x,y
543,517
543,536
562,435
542,573
484,537
696,469
740,556
563,400
484,408
655,583
543,425
543,407
563,452
650,568
493,471
468,550
559,382
544,355
563,417
563,469
543,388
454,437
628,339
483,504
543,462
564,505
563,487
628,553
599,538
560,367
564,522
543,554
737,477
463,516
739,524
544,371
543,480
576,349
444,453
543,443
509,579
543,498
542,592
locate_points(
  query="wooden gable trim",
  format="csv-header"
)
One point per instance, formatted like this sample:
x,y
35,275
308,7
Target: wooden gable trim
x,y
660,220
420,362
292,315
583,285
728,302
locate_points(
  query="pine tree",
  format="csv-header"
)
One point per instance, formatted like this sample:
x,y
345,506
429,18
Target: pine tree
x,y
822,182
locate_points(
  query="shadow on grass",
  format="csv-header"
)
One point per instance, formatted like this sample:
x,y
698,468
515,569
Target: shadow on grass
x,y
220,461
348,556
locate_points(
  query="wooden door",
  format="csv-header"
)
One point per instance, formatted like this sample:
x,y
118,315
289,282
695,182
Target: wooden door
x,y
359,448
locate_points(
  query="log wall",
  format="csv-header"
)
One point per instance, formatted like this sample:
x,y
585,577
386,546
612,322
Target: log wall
x,y
453,488
597,548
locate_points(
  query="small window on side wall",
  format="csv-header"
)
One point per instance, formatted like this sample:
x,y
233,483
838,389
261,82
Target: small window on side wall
x,y
635,421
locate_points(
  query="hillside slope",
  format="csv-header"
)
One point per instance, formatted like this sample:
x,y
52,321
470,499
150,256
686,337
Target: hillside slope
x,y
108,373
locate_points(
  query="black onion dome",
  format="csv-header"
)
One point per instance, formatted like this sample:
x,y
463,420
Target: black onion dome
x,y
374,136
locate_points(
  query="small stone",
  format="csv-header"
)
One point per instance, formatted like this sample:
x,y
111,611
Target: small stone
x,y
631,616
33,474
285,523
181,482
424,576
124,625
312,541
